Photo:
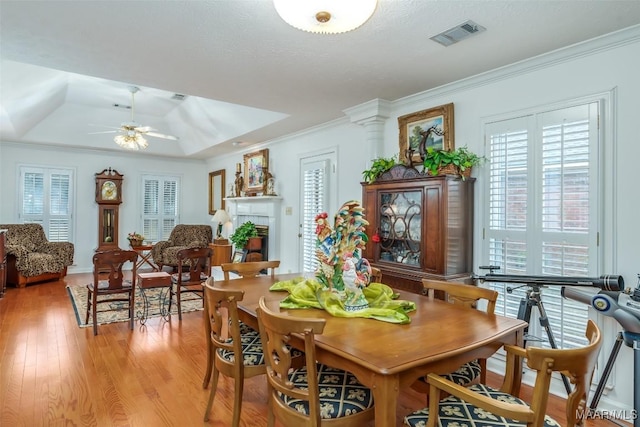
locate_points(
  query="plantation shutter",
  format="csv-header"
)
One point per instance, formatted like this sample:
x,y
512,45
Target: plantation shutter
x,y
46,200
542,210
314,201
160,206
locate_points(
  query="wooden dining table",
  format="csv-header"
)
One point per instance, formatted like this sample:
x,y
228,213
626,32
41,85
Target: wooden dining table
x,y
389,357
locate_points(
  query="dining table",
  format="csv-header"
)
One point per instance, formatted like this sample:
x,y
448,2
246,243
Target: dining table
x,y
389,357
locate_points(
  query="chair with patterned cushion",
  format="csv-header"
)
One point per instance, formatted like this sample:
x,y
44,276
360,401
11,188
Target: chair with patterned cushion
x,y
313,395
193,269
466,296
250,269
481,405
236,349
183,236
115,285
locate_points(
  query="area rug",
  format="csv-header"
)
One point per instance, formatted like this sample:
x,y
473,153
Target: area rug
x,y
117,311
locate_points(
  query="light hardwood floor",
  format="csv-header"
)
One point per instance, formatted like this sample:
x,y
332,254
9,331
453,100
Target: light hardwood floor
x,y
53,373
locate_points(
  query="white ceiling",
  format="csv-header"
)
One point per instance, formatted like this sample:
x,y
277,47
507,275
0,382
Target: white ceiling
x,y
248,75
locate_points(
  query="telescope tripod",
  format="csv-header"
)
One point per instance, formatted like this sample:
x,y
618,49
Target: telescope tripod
x,y
533,299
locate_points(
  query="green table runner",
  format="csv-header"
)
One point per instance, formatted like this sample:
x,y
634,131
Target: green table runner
x,y
309,293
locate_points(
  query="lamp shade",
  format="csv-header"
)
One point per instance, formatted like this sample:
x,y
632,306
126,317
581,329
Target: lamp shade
x,y
221,217
131,141
325,16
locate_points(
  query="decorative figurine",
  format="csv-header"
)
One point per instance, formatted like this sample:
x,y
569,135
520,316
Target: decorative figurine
x,y
339,252
239,184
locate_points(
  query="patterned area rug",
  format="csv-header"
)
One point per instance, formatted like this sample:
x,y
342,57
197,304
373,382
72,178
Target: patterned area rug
x,y
118,310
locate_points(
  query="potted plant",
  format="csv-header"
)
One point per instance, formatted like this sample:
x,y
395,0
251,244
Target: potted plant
x,y
452,162
135,239
378,167
243,233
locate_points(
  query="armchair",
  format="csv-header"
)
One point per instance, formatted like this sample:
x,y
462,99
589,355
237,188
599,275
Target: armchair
x,y
32,258
183,236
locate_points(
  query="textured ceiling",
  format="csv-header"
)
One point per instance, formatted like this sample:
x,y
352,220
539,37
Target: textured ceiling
x,y
249,76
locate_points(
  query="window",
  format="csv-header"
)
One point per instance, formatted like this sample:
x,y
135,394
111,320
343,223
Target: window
x,y
542,210
160,212
46,199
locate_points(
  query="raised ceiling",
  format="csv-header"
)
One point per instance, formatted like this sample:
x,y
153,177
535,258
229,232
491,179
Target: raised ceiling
x,y
247,75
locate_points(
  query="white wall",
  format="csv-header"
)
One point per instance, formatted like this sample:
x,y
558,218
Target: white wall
x,y
86,163
609,65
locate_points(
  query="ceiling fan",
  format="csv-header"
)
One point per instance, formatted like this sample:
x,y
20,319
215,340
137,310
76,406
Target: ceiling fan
x,y
131,134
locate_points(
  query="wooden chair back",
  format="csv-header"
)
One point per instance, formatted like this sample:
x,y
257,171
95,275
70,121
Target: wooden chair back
x,y
193,265
111,264
276,332
250,269
461,294
225,345
577,364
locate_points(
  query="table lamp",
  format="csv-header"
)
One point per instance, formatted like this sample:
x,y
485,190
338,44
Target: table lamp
x,y
221,217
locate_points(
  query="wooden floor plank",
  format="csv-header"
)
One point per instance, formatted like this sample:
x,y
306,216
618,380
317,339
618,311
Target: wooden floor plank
x,y
54,373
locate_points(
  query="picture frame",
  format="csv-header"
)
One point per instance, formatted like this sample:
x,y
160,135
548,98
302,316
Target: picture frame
x,y
256,165
410,126
239,256
216,190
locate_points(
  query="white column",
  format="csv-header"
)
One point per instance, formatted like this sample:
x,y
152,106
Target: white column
x,y
373,116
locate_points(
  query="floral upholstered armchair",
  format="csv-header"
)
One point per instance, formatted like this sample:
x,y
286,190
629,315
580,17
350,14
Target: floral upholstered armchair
x,y
32,258
182,236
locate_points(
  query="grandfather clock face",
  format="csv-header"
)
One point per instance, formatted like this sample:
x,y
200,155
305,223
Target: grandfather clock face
x,y
108,197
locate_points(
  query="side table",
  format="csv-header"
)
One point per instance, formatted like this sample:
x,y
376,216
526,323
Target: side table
x,y
158,279
144,252
220,252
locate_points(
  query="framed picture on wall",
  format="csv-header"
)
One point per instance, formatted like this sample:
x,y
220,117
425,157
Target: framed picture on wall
x,y
256,165
216,191
429,128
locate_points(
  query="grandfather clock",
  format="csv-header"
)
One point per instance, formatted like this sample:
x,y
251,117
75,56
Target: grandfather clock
x,y
108,197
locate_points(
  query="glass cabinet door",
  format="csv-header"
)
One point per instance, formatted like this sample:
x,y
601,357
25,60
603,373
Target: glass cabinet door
x,y
400,227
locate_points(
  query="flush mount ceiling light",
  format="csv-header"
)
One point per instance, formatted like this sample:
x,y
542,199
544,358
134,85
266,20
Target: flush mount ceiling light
x,y
325,16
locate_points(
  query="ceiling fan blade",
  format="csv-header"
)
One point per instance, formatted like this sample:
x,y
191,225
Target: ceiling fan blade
x,y
105,131
161,135
144,129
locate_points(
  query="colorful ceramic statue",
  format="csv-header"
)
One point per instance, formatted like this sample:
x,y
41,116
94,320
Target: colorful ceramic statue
x,y
339,252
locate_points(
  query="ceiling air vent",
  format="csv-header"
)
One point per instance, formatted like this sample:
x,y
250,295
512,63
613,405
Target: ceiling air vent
x,y
457,33
178,97
126,107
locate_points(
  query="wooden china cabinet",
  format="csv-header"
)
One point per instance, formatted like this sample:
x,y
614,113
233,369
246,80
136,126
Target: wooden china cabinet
x,y
424,225
109,198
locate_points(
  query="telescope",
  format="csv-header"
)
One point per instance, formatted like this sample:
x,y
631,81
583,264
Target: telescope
x,y
608,282
624,307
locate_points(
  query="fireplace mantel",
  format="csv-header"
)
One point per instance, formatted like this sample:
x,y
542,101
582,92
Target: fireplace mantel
x,y
261,210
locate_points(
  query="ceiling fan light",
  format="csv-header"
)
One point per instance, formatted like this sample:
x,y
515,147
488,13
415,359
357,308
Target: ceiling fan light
x,y
325,16
136,142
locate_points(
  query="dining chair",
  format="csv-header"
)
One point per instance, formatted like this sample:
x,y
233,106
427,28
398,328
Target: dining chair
x,y
250,269
475,405
109,264
314,394
376,275
236,350
467,296
193,269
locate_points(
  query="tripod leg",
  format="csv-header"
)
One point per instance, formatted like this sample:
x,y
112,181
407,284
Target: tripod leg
x,y
605,374
544,322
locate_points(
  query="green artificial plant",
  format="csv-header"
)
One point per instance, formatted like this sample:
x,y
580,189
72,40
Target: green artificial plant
x,y
241,235
461,158
378,167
